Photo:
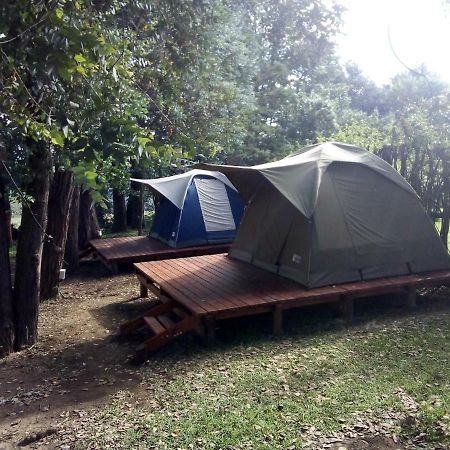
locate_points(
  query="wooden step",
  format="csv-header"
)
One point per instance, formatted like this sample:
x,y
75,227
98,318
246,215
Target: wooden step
x,y
181,312
158,309
166,335
166,321
154,324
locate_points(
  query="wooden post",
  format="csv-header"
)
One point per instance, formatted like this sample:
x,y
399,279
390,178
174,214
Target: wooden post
x,y
348,309
411,297
277,320
210,328
143,290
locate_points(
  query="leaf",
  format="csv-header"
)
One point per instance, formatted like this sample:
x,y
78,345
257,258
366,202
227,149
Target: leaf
x,y
65,130
90,176
143,140
114,74
57,138
59,13
79,58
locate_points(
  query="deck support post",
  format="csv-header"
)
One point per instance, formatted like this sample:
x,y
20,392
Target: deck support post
x,y
348,309
143,290
210,330
277,320
114,267
411,296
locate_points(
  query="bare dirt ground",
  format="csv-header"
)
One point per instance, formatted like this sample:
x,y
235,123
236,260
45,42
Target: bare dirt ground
x,y
75,364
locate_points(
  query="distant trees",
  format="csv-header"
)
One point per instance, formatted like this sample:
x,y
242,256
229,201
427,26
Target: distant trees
x,y
408,124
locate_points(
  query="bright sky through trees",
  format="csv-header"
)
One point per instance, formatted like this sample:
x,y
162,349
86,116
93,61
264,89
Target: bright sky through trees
x,y
419,29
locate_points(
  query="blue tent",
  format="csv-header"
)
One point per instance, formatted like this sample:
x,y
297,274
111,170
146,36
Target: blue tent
x,y
198,207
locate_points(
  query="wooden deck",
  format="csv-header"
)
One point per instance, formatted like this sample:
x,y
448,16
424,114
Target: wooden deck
x,y
204,289
133,249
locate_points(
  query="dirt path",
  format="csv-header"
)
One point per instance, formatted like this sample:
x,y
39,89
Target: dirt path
x,y
75,365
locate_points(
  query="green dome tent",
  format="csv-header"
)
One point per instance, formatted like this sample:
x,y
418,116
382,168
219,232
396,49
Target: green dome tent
x,y
333,213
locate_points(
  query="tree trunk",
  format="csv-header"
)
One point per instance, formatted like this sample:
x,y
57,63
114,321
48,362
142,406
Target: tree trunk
x,y
58,222
95,226
445,228
6,300
445,221
141,211
8,215
133,210
134,200
29,249
120,212
88,225
72,253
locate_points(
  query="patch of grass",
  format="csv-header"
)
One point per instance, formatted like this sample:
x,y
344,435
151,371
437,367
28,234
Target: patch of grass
x,y
130,232
12,251
274,394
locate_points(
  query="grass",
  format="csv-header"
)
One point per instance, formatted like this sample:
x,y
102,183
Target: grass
x,y
278,394
107,233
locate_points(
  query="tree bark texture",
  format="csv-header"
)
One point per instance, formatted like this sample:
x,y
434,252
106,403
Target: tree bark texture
x,y
72,252
120,212
133,210
141,211
445,221
58,222
6,301
29,248
88,227
8,213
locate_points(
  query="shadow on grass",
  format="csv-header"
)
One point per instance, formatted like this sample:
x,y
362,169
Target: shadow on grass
x,y
256,330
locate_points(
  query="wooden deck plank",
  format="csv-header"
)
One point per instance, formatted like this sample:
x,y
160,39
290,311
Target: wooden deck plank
x,y
203,294
246,292
212,291
169,284
220,285
195,291
279,288
172,291
133,249
235,289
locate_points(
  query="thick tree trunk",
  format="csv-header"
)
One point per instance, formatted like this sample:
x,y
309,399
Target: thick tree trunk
x,y
133,207
8,213
95,226
120,212
6,300
141,211
72,253
88,227
29,249
58,222
445,228
134,200
445,221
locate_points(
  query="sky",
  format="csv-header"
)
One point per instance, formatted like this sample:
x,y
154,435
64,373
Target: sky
x,y
419,31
